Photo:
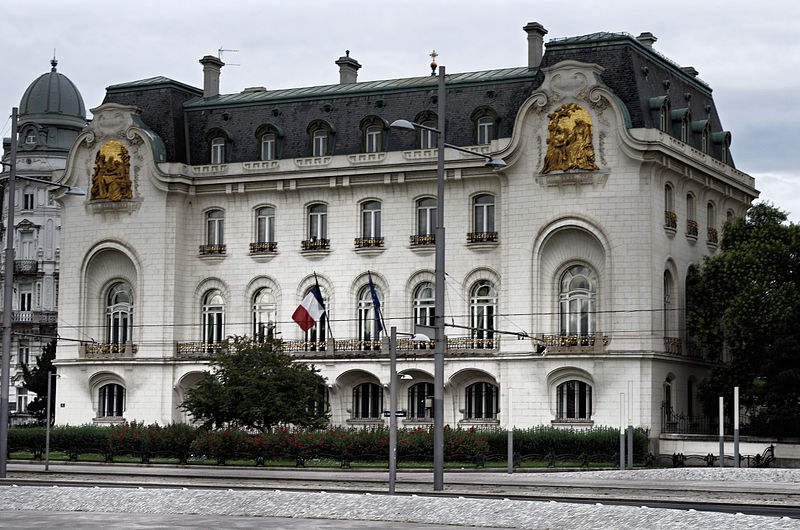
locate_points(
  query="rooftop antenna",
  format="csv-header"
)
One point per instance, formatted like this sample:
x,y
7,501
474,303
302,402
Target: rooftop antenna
x,y
219,55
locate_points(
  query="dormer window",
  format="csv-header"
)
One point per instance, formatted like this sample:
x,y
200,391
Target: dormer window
x,y
484,120
217,150
373,131
321,138
30,137
268,147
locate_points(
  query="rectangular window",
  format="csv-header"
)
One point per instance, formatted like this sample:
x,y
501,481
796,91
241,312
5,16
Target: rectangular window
x,y
484,131
371,219
426,217
317,222
215,223
373,139
24,356
25,297
27,200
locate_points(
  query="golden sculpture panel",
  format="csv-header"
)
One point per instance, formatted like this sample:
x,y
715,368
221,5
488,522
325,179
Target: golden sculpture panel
x,y
111,178
569,140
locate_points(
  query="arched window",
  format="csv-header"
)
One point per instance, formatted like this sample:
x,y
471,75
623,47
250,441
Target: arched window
x,y
711,221
420,401
668,405
268,146
265,224
368,331
483,308
317,222
426,216
574,401
668,320
213,317
371,219
424,304
119,314
215,233
373,131
691,216
484,120
320,137
217,150
427,139
270,139
111,401
483,214
481,401
264,311
670,218
367,401
577,299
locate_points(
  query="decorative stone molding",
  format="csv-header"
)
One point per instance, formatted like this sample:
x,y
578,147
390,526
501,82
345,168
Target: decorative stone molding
x,y
366,158
313,161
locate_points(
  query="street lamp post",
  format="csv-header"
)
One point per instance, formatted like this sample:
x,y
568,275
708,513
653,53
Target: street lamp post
x,y
8,285
438,317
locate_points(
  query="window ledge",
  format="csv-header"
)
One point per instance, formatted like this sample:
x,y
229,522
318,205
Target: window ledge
x,y
567,422
315,253
376,422
692,238
477,422
109,420
482,245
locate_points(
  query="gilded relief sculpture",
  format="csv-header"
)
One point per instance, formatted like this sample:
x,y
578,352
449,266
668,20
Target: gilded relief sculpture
x,y
569,140
111,177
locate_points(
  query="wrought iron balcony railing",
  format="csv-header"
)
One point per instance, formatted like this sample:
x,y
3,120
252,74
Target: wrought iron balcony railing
x,y
422,240
369,242
713,236
199,350
209,250
691,228
315,244
672,345
26,266
109,350
263,247
481,237
574,341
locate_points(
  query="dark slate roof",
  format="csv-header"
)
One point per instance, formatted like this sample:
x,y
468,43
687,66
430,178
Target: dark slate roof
x,y
634,72
53,98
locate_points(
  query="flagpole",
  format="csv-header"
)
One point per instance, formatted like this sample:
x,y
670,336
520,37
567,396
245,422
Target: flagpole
x,y
325,316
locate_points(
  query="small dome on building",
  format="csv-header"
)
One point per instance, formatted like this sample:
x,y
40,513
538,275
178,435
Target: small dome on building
x,y
52,96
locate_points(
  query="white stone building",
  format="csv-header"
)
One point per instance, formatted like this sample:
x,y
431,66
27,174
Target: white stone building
x,y
210,213
51,116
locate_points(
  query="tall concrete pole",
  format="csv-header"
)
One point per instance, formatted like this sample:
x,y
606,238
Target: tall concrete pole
x,y
392,409
8,286
439,339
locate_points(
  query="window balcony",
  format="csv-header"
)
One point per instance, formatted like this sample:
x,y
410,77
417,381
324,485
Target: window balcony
x,y
315,244
263,247
691,230
369,242
109,350
199,350
672,345
34,317
482,237
584,343
26,266
713,237
422,240
212,250
670,221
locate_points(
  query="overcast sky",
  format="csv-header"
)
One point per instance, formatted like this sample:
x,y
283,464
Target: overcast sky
x,y
749,52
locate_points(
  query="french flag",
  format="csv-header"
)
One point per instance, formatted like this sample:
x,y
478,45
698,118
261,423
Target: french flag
x,y
310,309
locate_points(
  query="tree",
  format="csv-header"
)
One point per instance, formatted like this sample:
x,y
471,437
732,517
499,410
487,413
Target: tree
x,y
743,309
257,386
35,380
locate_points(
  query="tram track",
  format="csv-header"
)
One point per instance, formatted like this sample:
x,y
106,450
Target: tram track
x,y
767,502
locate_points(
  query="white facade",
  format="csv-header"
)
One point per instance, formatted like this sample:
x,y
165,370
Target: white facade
x,y
604,228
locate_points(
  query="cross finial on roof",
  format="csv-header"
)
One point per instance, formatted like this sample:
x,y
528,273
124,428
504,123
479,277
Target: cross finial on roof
x,y
434,55
54,62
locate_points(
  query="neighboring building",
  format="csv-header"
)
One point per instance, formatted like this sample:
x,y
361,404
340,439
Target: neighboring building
x,y
210,213
51,116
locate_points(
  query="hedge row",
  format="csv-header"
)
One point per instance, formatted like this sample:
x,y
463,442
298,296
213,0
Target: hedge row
x,y
181,441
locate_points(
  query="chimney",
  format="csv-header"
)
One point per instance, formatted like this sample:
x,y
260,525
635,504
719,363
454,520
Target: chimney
x,y
348,69
211,68
536,33
647,38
